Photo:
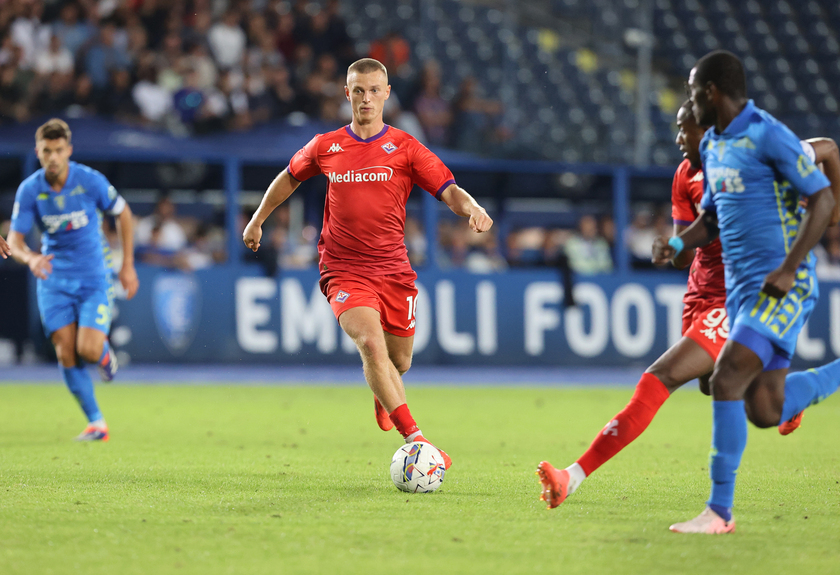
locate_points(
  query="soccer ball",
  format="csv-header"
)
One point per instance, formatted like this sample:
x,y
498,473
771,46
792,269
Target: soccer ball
x,y
417,468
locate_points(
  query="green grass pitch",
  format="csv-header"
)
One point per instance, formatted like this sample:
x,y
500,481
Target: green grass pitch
x,y
247,479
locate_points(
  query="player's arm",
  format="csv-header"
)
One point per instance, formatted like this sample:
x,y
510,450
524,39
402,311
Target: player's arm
x,y
38,263
5,250
125,230
683,259
811,229
828,156
703,231
463,204
277,193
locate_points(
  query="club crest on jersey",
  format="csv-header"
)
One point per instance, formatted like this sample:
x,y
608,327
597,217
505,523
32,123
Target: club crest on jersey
x,y
335,148
176,303
59,202
389,147
342,296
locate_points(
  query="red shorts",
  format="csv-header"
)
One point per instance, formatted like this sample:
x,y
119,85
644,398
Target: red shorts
x,y
707,324
393,296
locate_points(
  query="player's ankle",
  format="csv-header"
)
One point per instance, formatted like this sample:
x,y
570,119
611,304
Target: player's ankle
x,y
576,477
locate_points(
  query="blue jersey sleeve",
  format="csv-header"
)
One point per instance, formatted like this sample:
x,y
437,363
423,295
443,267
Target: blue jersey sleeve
x,y
23,213
706,203
106,196
784,150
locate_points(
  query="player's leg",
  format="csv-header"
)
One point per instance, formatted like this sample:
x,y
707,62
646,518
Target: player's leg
x,y
363,326
58,304
806,388
400,350
95,314
684,361
736,369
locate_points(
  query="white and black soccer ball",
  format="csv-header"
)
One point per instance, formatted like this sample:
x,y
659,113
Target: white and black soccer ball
x,y
417,468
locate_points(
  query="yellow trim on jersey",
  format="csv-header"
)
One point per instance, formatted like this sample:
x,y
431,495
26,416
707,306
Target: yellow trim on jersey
x,y
780,207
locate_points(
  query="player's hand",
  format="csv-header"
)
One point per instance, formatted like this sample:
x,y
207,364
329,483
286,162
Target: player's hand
x,y
252,235
480,221
129,281
778,283
662,251
5,250
41,266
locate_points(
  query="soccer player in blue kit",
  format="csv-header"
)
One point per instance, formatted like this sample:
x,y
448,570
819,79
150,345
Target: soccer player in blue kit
x,y
75,294
755,172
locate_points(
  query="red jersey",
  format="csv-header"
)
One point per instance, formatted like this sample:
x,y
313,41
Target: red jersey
x,y
705,279
369,184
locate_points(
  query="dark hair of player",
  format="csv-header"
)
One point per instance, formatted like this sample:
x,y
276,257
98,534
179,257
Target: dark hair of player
x,y
53,129
366,66
724,70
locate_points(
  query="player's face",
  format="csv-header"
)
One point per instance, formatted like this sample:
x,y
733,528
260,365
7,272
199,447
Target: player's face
x,y
367,94
689,136
704,112
54,156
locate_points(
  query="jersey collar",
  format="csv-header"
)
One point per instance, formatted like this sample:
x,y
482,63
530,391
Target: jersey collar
x,y
739,123
47,185
363,140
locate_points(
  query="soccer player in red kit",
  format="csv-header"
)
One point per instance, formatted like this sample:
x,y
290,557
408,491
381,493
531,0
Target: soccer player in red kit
x,y
365,272
705,325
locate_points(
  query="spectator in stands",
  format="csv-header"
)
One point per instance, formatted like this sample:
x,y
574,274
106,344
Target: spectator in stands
x,y
485,257
171,63
227,41
84,99
588,253
639,239
73,31
14,83
56,95
392,50
29,33
199,60
118,102
161,231
284,36
282,97
54,58
105,56
431,109
415,241
153,101
205,249
475,119
153,14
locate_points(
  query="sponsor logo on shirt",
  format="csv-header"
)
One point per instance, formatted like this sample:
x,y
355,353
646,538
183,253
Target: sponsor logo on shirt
x,y
342,296
744,142
389,147
804,166
72,221
335,148
371,174
725,179
79,190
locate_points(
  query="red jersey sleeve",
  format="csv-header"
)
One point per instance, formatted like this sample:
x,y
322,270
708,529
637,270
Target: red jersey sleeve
x,y
428,171
304,164
682,207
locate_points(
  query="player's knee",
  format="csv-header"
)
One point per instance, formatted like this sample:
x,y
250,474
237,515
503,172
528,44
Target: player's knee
x,y
66,355
89,350
763,418
371,348
403,364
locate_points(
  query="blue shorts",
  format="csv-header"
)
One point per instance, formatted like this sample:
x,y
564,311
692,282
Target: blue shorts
x,y
769,326
87,302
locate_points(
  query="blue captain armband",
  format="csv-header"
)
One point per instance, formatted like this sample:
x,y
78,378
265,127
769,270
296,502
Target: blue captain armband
x,y
676,243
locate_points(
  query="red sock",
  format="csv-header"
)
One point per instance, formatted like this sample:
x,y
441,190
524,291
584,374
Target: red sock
x,y
627,425
403,421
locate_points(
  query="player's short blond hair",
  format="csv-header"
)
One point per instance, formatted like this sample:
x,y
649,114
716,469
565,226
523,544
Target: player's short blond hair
x,y
53,129
366,66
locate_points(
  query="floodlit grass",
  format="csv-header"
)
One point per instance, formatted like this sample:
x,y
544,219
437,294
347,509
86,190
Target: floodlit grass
x,y
238,479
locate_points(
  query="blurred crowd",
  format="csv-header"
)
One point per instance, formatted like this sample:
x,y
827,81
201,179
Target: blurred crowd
x,y
199,66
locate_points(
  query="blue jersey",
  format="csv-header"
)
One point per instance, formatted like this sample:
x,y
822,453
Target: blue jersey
x,y
755,172
70,220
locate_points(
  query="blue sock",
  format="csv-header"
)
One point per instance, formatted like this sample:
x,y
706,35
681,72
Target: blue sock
x,y
729,439
105,350
81,386
810,387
